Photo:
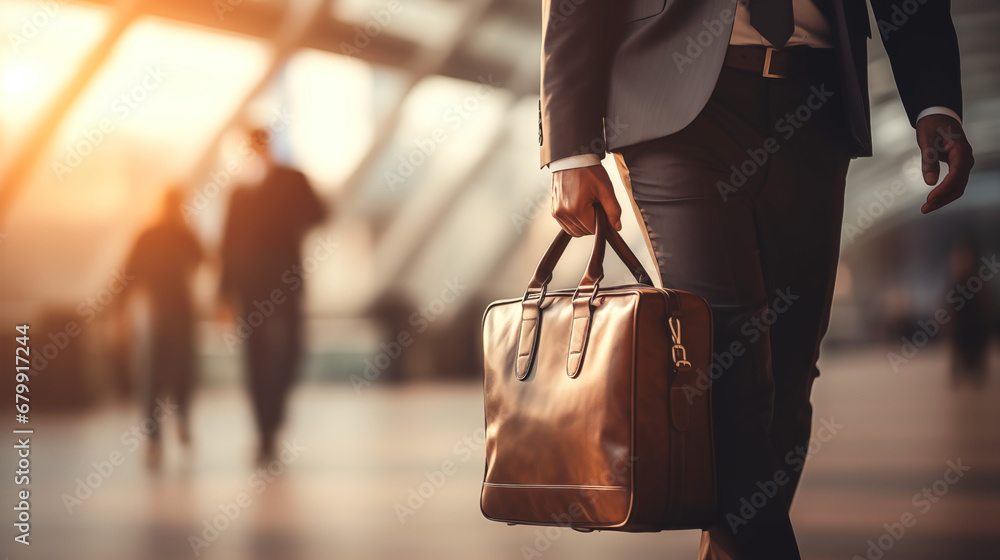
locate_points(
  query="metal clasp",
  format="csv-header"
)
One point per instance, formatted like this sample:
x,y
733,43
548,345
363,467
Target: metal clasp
x,y
541,294
678,353
768,56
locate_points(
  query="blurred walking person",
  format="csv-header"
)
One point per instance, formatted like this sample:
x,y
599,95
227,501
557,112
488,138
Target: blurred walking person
x,y
262,281
163,262
974,318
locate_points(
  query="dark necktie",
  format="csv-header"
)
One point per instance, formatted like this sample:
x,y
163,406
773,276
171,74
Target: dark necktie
x,y
773,19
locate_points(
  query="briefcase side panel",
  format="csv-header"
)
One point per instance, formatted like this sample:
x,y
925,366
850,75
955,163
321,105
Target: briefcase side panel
x,y
692,456
651,458
533,425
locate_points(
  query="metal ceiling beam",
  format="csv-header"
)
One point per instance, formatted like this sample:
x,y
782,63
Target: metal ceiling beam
x,y
428,62
292,25
416,240
262,19
410,240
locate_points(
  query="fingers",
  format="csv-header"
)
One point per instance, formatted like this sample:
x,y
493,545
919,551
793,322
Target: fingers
x,y
930,157
948,191
572,225
568,204
573,193
611,207
930,165
953,185
941,137
577,221
568,224
585,220
936,136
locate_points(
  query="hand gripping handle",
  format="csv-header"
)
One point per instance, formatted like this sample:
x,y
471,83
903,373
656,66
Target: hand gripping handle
x,y
583,298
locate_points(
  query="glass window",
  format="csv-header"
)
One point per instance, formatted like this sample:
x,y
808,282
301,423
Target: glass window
x,y
143,122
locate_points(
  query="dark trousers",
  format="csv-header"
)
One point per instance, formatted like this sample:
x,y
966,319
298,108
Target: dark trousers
x,y
274,349
172,371
744,207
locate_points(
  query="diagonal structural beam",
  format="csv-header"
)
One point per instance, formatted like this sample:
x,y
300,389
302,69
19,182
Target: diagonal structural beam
x,y
295,24
416,241
428,62
39,137
411,242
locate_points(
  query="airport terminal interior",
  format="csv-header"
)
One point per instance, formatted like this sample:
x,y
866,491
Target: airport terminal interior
x,y
415,124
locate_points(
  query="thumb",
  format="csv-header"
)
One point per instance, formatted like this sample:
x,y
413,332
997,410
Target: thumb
x,y
930,159
611,208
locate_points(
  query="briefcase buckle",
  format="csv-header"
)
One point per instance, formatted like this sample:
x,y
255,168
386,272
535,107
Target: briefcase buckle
x,y
679,355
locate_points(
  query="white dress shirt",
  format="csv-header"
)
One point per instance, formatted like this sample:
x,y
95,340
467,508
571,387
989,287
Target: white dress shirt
x,y
811,27
811,30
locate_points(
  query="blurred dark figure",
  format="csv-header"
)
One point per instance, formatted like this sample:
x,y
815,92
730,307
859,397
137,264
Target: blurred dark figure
x,y
392,313
973,318
262,279
59,381
163,262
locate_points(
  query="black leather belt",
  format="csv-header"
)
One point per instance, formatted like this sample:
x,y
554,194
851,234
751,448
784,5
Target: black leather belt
x,y
775,63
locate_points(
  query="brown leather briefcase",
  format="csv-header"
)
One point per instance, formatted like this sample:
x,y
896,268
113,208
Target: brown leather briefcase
x,y
598,406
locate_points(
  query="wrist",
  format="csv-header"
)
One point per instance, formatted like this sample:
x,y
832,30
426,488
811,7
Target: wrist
x,y
574,162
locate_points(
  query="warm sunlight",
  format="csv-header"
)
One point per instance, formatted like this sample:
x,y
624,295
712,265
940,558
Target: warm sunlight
x,y
19,79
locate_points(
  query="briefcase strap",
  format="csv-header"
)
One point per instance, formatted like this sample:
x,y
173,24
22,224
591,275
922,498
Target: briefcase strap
x,y
595,268
583,297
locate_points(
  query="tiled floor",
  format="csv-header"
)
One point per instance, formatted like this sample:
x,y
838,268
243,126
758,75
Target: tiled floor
x,y
361,454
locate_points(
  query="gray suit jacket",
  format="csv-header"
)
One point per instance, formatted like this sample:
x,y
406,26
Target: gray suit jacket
x,y
615,73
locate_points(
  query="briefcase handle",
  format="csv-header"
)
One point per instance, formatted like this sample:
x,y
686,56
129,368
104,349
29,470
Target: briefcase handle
x,y
595,268
583,297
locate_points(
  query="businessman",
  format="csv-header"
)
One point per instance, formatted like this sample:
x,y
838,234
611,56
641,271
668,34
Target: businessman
x,y
732,125
261,279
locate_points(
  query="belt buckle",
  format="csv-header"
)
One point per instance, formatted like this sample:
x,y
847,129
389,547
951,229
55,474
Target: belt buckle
x,y
766,72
